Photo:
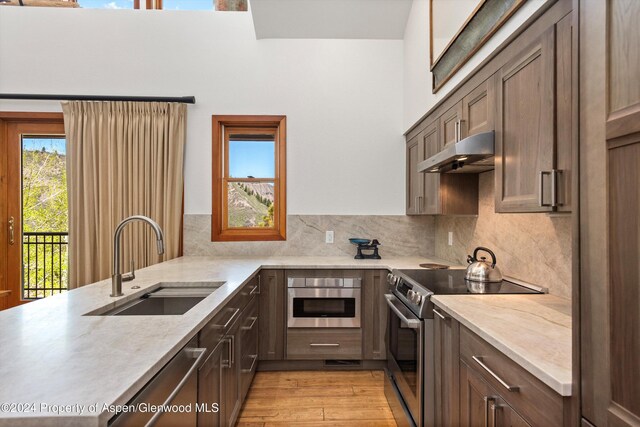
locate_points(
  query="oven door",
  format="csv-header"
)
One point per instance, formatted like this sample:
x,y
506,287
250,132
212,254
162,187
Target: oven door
x,y
405,355
324,308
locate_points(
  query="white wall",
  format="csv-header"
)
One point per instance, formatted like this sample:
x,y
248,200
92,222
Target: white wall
x,y
418,97
342,98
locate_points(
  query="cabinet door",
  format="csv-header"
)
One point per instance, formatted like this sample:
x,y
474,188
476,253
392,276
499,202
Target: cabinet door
x,y
374,315
231,376
430,202
525,136
478,109
271,321
566,111
481,406
414,178
248,346
447,369
210,388
475,396
449,125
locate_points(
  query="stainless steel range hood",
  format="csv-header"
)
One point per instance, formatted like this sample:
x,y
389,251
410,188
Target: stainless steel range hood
x,y
473,154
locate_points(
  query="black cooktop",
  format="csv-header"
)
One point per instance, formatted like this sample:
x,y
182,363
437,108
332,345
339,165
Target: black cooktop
x,y
449,282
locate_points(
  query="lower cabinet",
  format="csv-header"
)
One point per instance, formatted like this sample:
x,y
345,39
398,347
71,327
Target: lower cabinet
x,y
374,315
225,376
477,385
481,405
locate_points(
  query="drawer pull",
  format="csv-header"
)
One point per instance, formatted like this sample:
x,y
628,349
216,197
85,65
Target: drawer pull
x,y
230,321
440,315
255,290
479,361
324,345
250,327
253,364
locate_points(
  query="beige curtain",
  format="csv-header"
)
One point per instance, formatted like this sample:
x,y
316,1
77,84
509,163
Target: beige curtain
x,y
123,158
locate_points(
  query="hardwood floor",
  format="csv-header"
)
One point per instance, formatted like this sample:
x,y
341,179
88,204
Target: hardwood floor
x,y
317,398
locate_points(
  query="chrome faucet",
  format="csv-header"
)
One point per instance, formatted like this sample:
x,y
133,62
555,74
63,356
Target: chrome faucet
x,y
117,277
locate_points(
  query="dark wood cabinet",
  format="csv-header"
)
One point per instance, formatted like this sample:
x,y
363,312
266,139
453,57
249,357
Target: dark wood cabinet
x,y
210,388
481,405
432,193
609,282
272,319
248,345
414,178
374,315
535,125
447,369
228,370
479,109
450,125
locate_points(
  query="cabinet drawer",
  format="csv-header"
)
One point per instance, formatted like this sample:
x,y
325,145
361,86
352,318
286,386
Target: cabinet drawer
x,y
320,344
534,400
213,331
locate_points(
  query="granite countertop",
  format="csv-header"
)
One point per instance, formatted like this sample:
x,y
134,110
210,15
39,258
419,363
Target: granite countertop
x,y
532,330
52,354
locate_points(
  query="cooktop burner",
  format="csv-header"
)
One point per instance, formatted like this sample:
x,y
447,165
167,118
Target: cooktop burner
x,y
415,287
446,282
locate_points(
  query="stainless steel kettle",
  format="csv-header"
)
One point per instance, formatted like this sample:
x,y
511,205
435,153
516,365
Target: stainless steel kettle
x,y
481,270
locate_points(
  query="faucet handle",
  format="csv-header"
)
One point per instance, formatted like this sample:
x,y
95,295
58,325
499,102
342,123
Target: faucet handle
x,y
130,276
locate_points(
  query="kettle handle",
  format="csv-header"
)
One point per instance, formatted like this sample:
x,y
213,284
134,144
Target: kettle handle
x,y
487,250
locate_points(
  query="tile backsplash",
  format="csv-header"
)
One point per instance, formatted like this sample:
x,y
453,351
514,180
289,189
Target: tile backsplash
x,y
400,236
532,247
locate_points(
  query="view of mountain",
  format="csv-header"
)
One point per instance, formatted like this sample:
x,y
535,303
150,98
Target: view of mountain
x,y
250,204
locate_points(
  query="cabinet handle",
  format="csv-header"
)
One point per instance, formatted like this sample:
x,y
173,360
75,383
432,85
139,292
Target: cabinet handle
x,y
486,410
420,204
492,409
456,131
554,187
541,188
198,354
440,315
11,230
479,361
255,290
255,359
250,327
460,129
230,321
324,345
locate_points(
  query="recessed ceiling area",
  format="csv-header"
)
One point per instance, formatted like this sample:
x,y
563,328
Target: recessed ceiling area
x,y
330,19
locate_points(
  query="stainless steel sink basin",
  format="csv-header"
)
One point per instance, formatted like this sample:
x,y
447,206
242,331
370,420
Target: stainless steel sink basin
x,y
166,299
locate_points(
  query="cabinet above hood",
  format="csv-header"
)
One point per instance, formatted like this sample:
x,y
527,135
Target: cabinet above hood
x,y
473,154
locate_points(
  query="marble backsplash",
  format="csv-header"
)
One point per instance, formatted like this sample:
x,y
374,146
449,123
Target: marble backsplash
x,y
532,247
400,236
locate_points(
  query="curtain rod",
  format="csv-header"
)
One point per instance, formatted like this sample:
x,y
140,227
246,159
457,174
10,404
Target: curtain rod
x,y
42,97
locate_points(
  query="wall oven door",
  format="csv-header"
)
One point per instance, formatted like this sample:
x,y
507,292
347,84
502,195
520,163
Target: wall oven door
x,y
324,308
405,356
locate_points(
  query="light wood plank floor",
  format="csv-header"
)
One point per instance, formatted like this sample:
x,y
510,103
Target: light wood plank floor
x,y
317,398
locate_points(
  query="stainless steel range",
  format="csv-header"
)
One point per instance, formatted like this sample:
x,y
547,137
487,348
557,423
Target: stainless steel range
x,y
409,383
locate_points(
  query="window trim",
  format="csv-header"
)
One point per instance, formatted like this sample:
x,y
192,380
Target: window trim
x,y
220,232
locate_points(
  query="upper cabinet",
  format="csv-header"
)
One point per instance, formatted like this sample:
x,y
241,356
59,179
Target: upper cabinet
x,y
534,125
432,193
478,109
450,124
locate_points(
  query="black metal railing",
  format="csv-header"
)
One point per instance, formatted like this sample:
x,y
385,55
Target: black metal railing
x,y
45,259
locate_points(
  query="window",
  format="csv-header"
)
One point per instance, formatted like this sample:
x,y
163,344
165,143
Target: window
x,y
249,178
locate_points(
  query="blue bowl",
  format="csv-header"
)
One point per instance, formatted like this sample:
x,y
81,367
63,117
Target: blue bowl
x,y
356,241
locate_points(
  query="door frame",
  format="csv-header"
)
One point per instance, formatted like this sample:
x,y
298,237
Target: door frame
x,y
7,121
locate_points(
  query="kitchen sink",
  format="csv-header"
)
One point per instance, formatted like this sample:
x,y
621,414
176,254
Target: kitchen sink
x,y
166,299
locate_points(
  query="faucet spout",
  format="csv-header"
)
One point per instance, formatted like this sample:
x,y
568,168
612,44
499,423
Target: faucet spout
x,y
116,276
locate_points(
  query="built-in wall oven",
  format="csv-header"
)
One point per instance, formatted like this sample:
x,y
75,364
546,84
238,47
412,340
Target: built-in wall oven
x,y
323,302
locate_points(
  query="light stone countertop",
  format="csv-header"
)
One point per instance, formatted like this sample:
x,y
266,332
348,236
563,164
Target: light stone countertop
x,y
532,330
51,354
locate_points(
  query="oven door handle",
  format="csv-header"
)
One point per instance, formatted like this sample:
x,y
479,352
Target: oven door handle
x,y
391,302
